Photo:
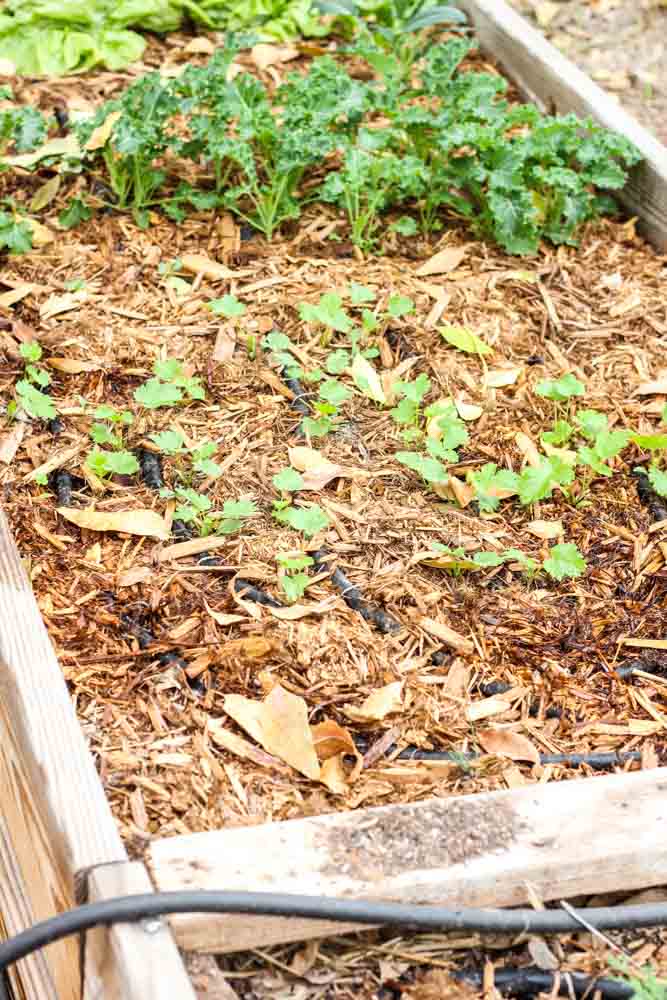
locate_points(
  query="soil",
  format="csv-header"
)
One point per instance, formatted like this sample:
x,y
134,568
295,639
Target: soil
x,y
168,751
622,45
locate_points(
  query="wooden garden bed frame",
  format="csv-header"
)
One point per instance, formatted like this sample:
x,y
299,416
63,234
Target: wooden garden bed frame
x,y
59,844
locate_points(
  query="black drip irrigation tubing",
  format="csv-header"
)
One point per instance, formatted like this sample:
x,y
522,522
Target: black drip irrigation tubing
x,y
598,761
353,596
526,982
132,909
654,503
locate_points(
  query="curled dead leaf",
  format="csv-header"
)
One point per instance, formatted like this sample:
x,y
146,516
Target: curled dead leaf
x,y
545,529
497,378
317,470
505,743
129,522
378,704
280,725
72,366
442,262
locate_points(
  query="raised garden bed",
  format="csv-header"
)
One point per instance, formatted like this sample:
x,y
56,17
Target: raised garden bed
x,y
171,764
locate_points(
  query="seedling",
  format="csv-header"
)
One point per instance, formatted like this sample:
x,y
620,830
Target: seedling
x,y
291,576
108,430
197,509
36,403
308,520
169,386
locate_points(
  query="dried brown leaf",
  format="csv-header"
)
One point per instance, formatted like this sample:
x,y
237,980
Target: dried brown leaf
x,y
280,725
130,522
505,743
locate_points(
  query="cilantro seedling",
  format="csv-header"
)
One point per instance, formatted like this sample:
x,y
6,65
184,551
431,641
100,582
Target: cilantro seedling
x,y
561,389
227,306
37,404
202,460
405,226
309,520
168,386
15,235
565,560
288,480
75,212
399,305
109,463
169,442
329,313
280,345
292,578
491,484
360,294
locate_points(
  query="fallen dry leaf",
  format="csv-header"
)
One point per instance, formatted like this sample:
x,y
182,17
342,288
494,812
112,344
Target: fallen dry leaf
x,y
11,442
528,449
100,135
447,635
468,411
334,776
197,263
545,529
330,739
442,262
499,377
236,744
378,704
265,54
225,343
73,366
317,470
137,574
130,522
280,725
193,547
58,147
223,619
45,194
296,611
366,379
41,234
17,294
57,304
486,707
200,46
504,743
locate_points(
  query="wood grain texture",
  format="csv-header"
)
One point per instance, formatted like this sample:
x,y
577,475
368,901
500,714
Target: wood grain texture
x,y
565,838
54,816
133,961
554,82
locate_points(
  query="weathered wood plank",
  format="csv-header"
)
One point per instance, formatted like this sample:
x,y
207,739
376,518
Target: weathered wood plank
x,y
553,81
564,838
55,821
134,961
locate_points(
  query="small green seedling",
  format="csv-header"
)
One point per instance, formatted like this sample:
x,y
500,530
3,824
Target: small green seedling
x,y
308,520
227,306
36,403
560,390
107,430
169,386
292,578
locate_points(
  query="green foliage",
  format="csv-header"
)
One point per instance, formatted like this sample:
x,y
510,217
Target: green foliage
x,y
75,212
169,442
644,982
560,389
197,509
565,560
169,386
15,235
464,340
450,143
288,480
399,305
488,481
405,226
430,469
202,460
293,580
109,463
359,294
657,477
308,520
37,404
328,312
538,482
228,306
